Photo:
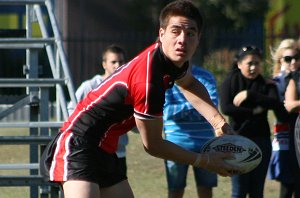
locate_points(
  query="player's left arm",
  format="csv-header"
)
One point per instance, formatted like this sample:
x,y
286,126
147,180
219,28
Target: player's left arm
x,y
155,145
198,96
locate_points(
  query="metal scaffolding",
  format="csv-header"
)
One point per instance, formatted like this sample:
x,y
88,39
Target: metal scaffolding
x,y
41,127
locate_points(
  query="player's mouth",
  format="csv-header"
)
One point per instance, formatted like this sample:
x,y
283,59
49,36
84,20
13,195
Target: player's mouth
x,y
180,51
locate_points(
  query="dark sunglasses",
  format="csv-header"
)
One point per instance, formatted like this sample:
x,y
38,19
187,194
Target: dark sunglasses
x,y
288,59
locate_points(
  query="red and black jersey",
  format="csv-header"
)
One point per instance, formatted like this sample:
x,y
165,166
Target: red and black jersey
x,y
136,89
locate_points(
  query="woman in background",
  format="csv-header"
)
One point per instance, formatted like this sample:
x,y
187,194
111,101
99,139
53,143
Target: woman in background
x,y
292,105
283,158
246,96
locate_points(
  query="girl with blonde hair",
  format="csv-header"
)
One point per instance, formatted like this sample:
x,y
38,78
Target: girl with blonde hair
x,y
283,165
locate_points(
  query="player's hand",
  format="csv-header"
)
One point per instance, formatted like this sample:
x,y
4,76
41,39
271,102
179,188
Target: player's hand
x,y
225,129
214,162
239,98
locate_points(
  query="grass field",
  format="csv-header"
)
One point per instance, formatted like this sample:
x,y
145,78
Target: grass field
x,y
146,174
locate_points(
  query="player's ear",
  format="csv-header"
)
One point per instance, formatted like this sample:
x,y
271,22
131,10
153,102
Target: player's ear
x,y
161,33
104,65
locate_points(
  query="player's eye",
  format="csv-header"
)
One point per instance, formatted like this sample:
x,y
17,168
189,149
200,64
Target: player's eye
x,y
175,31
191,33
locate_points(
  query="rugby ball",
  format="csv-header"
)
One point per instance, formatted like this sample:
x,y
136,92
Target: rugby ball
x,y
246,152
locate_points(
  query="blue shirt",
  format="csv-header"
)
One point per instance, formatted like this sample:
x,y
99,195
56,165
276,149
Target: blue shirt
x,y
183,125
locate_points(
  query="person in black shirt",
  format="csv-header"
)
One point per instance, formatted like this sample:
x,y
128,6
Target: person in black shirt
x,y
292,105
283,166
245,97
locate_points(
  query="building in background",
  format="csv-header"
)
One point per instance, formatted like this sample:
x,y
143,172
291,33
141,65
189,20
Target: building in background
x,y
88,26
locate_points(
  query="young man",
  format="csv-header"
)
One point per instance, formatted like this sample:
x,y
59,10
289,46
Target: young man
x,y
184,126
82,156
113,57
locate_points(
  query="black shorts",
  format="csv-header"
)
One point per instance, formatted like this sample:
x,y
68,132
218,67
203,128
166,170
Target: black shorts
x,y
72,157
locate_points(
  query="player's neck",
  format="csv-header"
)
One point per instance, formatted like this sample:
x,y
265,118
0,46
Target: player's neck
x,y
105,75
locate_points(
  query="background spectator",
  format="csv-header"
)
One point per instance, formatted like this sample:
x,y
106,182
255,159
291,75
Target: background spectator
x,y
292,104
246,98
283,156
112,57
184,126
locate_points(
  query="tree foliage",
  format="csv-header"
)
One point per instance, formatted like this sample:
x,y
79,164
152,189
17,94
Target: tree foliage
x,y
218,13
232,13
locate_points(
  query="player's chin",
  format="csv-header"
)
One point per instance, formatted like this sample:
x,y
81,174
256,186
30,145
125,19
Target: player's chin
x,y
179,62
180,59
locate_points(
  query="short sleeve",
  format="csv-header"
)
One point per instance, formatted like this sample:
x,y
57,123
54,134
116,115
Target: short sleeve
x,y
148,101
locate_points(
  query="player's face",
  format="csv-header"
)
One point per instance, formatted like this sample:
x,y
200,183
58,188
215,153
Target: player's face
x,y
250,66
112,62
180,39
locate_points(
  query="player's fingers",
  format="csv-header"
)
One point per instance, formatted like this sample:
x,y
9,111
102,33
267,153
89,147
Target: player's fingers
x,y
229,168
227,173
227,155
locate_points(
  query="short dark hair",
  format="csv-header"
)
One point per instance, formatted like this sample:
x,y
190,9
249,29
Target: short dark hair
x,y
113,49
243,52
184,8
246,50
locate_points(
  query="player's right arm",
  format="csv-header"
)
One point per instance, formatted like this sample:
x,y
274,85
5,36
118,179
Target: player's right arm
x,y
197,95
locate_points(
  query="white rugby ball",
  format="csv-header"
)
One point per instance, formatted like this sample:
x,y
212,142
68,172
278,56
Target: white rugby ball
x,y
246,152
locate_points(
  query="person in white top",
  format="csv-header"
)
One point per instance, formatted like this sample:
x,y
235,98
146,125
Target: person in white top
x,y
112,57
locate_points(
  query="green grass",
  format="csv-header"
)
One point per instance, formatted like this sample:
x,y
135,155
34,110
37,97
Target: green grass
x,y
146,173
147,176
14,154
